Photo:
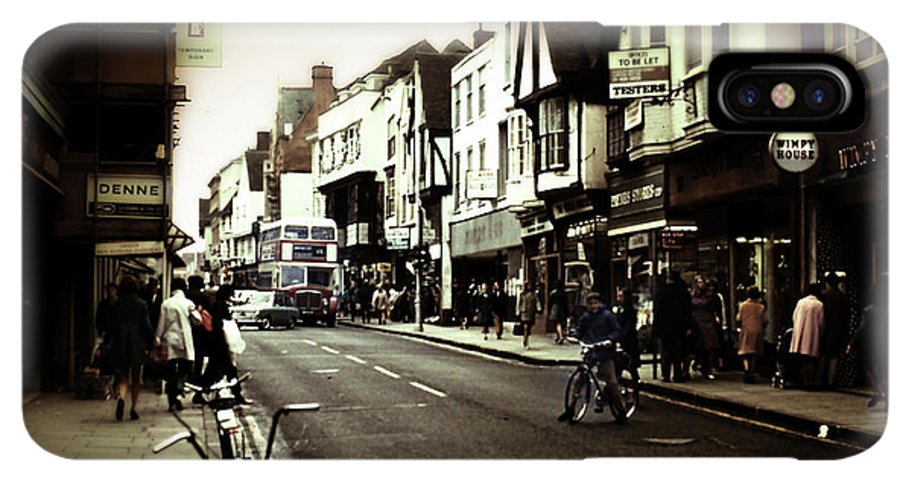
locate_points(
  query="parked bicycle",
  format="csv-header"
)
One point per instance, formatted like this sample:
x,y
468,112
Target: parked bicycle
x,y
232,441
584,386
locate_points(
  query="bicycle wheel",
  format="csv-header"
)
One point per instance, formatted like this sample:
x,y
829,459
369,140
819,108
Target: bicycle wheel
x,y
231,444
630,394
578,393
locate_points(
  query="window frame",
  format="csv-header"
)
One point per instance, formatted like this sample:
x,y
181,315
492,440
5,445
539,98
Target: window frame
x,y
560,134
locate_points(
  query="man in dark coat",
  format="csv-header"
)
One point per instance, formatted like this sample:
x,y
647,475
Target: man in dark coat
x,y
132,336
836,334
199,334
220,362
671,322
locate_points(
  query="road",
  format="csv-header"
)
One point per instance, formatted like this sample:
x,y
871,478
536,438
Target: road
x,y
385,396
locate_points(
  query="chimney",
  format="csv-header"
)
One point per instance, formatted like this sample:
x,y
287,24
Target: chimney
x,y
322,77
480,37
263,140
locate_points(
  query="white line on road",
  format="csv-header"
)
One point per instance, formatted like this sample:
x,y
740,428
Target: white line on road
x,y
310,342
356,359
330,350
386,372
327,370
428,389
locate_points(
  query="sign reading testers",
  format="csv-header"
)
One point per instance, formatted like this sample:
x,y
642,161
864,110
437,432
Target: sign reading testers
x,y
639,73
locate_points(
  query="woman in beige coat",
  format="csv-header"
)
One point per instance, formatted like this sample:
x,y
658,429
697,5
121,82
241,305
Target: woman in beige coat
x,y
751,319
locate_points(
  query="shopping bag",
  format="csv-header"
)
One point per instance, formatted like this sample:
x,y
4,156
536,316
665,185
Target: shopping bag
x,y
233,338
518,329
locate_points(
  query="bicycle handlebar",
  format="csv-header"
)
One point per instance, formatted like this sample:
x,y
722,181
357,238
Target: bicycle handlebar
x,y
221,385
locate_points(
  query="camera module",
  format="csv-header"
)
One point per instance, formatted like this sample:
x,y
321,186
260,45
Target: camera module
x,y
820,95
748,96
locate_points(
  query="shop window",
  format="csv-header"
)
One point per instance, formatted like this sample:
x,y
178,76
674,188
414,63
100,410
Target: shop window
x,y
552,134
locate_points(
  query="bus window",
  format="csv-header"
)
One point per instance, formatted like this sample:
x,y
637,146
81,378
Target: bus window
x,y
296,232
322,233
292,275
320,276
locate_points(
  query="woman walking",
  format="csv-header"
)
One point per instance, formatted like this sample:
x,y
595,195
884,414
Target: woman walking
x,y
500,298
380,304
751,320
703,312
484,305
132,336
527,309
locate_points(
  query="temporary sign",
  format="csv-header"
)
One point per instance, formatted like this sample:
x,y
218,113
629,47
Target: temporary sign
x,y
198,45
397,238
481,184
634,114
639,73
794,152
125,196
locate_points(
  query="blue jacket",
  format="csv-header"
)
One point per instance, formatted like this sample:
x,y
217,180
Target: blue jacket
x,y
596,327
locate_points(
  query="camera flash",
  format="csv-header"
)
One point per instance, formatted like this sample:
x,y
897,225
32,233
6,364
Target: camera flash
x,y
783,95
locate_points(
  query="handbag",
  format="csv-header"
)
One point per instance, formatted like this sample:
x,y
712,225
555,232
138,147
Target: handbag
x,y
159,355
518,329
201,317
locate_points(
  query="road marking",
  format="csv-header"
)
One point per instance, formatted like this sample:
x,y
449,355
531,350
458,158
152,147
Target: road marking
x,y
749,421
310,342
358,408
327,370
356,359
428,389
330,350
386,372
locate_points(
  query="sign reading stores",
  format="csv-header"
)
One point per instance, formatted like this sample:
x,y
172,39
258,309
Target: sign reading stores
x,y
639,73
125,196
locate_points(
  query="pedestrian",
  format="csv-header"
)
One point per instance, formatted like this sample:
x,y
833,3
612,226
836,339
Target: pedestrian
x,y
473,292
500,301
558,305
380,304
671,325
870,340
104,319
221,363
627,317
598,324
809,322
132,336
706,322
526,309
150,294
174,334
484,305
751,322
726,350
365,301
199,335
461,306
836,333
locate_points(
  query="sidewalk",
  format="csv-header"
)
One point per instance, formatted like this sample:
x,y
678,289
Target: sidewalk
x,y
87,429
844,413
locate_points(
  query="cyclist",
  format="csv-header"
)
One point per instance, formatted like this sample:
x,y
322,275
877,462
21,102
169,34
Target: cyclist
x,y
599,326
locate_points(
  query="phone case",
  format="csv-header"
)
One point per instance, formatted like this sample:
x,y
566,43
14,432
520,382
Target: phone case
x,y
483,186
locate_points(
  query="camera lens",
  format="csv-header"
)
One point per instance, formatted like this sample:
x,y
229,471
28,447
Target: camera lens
x,y
748,96
820,95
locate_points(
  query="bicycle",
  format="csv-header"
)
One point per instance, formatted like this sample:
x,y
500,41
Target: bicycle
x,y
232,443
583,379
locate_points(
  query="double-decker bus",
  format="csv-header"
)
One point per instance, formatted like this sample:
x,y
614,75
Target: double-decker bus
x,y
299,252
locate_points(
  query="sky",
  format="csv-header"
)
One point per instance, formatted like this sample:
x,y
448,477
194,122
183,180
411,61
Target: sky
x,y
229,105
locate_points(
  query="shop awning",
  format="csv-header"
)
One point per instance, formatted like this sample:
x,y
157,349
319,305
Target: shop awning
x,y
176,238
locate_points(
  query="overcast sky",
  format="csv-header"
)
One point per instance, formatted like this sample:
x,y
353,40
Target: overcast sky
x,y
230,104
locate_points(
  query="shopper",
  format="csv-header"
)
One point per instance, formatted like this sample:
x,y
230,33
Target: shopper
x,y
671,324
484,305
836,333
380,304
174,335
751,321
526,310
809,323
220,361
500,301
705,320
558,310
627,317
132,336
199,335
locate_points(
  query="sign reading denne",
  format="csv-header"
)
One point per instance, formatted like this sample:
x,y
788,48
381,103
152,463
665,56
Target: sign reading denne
x,y
639,73
125,196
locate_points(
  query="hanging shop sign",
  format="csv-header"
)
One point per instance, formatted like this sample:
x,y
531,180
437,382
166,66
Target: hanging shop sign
x,y
634,114
794,152
125,196
116,249
481,184
198,45
639,73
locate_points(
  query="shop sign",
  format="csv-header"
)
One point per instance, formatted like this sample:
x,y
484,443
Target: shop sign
x,y
634,114
675,239
397,238
638,240
794,152
639,73
352,231
486,233
125,196
481,184
115,249
198,45
862,154
635,195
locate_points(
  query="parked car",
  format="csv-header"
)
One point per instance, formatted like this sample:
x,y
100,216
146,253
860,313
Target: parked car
x,y
316,304
264,309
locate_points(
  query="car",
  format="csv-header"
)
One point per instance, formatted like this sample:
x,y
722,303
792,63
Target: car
x,y
315,303
264,309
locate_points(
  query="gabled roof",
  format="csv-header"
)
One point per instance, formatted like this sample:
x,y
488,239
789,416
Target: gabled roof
x,y
576,46
434,72
398,65
255,160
